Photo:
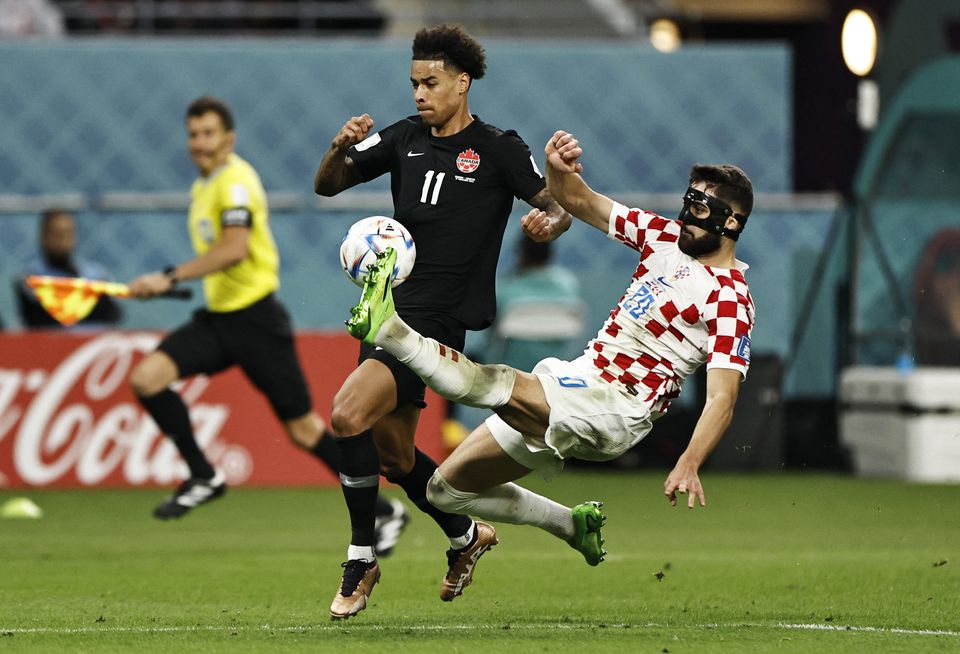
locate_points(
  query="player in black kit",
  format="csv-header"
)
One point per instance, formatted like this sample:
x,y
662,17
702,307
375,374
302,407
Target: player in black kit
x,y
453,179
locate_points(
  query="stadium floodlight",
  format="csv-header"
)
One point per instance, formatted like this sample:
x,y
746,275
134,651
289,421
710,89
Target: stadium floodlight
x,y
664,35
858,42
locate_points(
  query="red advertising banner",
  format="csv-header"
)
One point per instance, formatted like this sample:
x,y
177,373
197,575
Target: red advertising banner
x,y
69,419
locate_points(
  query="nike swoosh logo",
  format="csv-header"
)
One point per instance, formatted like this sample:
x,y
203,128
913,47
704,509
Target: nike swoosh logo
x,y
411,153
664,282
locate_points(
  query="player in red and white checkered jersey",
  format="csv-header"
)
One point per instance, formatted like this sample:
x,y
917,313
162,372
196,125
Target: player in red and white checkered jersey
x,y
687,304
674,316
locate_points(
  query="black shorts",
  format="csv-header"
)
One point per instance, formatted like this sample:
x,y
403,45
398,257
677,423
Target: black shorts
x,y
258,338
410,388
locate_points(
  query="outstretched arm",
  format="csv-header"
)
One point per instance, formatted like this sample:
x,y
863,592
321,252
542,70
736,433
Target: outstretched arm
x,y
567,186
723,384
547,221
337,171
228,251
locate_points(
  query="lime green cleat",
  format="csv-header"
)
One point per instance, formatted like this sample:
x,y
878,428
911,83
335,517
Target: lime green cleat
x,y
376,300
587,521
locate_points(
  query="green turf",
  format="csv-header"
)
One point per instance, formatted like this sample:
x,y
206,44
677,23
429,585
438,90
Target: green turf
x,y
256,571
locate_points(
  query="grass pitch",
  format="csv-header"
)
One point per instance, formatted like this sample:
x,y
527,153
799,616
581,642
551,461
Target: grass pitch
x,y
785,563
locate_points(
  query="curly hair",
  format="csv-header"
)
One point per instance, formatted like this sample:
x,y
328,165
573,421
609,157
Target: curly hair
x,y
452,45
733,185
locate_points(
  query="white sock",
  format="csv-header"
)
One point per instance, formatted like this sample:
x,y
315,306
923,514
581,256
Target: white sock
x,y
462,541
361,552
504,503
445,370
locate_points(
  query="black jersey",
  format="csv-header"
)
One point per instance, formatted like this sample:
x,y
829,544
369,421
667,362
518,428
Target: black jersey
x,y
454,194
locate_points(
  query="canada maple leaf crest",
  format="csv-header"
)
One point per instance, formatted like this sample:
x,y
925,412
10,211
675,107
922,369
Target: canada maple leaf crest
x,y
468,161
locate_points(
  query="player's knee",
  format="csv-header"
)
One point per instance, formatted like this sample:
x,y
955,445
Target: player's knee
x,y
306,439
143,381
305,431
446,498
346,421
436,492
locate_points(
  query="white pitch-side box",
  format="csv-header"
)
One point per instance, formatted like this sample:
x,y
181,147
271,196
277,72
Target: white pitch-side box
x,y
902,424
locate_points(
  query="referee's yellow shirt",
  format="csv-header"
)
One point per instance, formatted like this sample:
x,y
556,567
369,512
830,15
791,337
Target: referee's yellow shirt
x,y
233,195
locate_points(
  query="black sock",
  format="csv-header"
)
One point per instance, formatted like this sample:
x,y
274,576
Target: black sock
x,y
360,482
328,451
415,485
170,413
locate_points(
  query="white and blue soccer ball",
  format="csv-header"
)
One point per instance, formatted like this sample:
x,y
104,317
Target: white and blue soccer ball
x,y
367,238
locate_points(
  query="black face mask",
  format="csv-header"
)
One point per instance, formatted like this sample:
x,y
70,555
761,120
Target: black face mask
x,y
709,213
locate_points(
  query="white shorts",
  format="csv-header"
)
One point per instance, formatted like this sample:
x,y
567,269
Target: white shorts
x,y
590,419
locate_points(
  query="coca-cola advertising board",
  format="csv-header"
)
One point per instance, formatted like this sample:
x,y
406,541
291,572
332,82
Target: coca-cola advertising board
x,y
69,419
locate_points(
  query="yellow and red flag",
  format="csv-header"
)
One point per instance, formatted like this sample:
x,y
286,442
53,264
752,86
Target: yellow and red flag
x,y
71,299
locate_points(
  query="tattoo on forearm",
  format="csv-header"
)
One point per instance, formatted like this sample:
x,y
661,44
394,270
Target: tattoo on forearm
x,y
544,202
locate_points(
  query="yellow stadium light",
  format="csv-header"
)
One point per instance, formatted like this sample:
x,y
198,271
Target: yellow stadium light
x,y
664,35
858,41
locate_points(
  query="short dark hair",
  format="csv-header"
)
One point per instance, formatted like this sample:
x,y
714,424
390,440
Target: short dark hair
x,y
450,44
733,185
47,217
207,103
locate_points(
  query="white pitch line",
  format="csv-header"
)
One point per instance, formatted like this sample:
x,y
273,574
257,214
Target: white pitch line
x,y
461,628
887,630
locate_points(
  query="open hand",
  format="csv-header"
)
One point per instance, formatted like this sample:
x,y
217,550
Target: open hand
x,y
683,479
538,226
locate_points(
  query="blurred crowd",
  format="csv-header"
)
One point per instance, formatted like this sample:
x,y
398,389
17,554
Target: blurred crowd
x,y
52,18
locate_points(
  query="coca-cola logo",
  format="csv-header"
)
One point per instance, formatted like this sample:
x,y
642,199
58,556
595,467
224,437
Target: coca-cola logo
x,y
79,419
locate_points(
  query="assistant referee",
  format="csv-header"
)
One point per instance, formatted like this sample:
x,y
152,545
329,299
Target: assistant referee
x,y
243,322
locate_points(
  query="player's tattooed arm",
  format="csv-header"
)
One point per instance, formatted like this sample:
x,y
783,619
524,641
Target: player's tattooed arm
x,y
337,171
547,221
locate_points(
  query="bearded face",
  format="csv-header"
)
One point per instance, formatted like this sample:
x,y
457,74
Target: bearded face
x,y
696,242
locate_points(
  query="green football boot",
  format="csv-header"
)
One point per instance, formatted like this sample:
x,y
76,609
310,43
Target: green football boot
x,y
587,521
376,300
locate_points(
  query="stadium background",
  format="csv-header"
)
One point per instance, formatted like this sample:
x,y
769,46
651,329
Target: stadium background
x,y
800,555
95,125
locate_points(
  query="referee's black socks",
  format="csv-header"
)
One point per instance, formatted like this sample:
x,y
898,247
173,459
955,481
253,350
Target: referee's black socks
x,y
415,485
327,450
170,413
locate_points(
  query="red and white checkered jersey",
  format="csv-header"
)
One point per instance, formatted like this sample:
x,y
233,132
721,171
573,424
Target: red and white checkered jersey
x,y
676,314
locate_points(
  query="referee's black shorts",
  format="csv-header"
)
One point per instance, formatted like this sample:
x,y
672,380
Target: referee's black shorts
x,y
258,338
410,388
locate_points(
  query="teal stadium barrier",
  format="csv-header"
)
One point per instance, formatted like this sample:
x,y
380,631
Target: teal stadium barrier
x,y
906,191
97,117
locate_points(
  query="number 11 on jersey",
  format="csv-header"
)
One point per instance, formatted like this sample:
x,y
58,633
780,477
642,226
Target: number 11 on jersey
x,y
427,178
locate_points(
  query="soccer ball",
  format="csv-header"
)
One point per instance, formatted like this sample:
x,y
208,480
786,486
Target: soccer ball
x,y
367,238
